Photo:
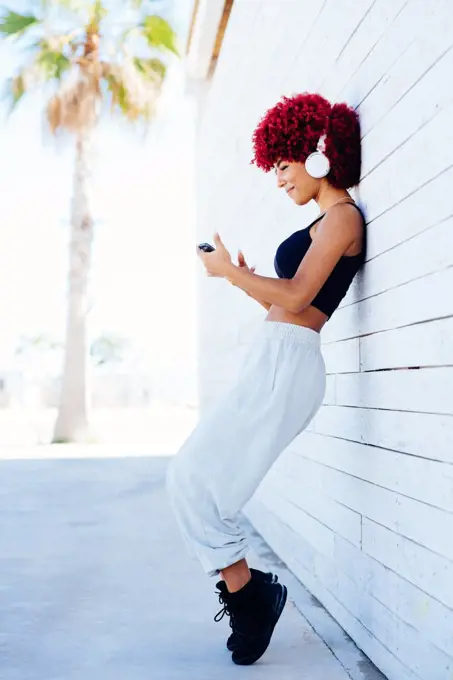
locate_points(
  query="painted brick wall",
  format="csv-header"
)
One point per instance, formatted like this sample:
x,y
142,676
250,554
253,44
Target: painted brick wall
x,y
361,505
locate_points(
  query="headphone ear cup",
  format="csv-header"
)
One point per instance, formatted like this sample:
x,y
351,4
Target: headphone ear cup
x,y
317,165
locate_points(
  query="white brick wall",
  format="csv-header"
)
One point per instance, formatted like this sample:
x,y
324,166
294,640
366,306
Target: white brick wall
x,y
361,505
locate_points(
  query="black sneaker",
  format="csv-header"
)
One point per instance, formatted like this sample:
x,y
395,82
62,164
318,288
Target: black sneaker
x,y
266,577
255,610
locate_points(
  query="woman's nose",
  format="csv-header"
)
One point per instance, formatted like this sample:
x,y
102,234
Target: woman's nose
x,y
280,182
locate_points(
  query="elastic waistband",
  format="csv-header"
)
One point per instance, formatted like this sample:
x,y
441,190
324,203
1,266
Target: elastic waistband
x,y
280,329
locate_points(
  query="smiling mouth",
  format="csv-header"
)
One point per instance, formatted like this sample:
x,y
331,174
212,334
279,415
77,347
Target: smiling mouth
x,y
289,190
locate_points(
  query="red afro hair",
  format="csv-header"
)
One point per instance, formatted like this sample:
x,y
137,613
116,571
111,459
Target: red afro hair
x,y
291,129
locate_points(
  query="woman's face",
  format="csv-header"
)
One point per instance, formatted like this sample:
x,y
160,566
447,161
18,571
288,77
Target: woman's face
x,y
296,181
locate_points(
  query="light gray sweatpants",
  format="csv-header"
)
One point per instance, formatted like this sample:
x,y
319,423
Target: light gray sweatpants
x,y
221,464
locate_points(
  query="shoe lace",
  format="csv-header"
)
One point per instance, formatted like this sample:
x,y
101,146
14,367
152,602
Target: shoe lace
x,y
225,611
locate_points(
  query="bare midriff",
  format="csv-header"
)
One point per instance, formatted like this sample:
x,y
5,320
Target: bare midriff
x,y
311,317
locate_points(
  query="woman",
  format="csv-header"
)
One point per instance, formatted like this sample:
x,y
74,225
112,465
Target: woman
x,y
314,149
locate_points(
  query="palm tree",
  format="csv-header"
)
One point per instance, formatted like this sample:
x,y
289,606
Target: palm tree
x,y
89,69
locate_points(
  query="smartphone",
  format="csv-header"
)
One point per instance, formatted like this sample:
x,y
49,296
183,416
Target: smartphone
x,y
206,247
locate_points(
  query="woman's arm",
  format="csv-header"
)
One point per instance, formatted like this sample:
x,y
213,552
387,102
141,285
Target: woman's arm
x,y
276,291
244,266
263,303
335,234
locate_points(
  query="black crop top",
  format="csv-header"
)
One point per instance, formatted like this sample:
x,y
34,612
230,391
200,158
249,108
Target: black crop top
x,y
291,252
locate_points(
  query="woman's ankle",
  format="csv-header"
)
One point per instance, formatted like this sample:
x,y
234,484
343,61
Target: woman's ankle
x,y
236,576
234,585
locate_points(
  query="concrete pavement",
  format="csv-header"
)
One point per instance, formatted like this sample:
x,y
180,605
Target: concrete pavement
x,y
95,584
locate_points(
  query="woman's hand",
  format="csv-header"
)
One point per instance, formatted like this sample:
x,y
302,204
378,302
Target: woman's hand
x,y
243,264
218,262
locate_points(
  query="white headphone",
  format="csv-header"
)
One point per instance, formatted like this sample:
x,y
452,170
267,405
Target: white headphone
x,y
317,164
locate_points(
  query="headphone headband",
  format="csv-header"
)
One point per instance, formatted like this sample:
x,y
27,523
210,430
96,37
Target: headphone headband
x,y
317,164
321,147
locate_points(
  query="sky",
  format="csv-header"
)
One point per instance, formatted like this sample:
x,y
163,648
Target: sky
x,y
143,283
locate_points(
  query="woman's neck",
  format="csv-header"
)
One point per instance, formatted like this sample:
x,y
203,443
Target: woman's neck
x,y
328,196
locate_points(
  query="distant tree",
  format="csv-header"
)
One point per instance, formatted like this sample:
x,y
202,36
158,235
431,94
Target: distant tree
x,y
38,354
41,342
109,349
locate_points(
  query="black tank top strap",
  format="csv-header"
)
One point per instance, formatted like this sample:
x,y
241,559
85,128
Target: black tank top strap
x,y
351,202
315,220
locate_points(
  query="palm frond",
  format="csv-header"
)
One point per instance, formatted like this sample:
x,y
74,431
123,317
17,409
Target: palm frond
x,y
49,63
75,106
98,12
17,89
135,87
13,24
116,87
20,84
50,58
152,69
159,34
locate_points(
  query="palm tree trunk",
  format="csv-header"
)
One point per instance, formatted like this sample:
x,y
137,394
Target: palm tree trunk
x,y
72,422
